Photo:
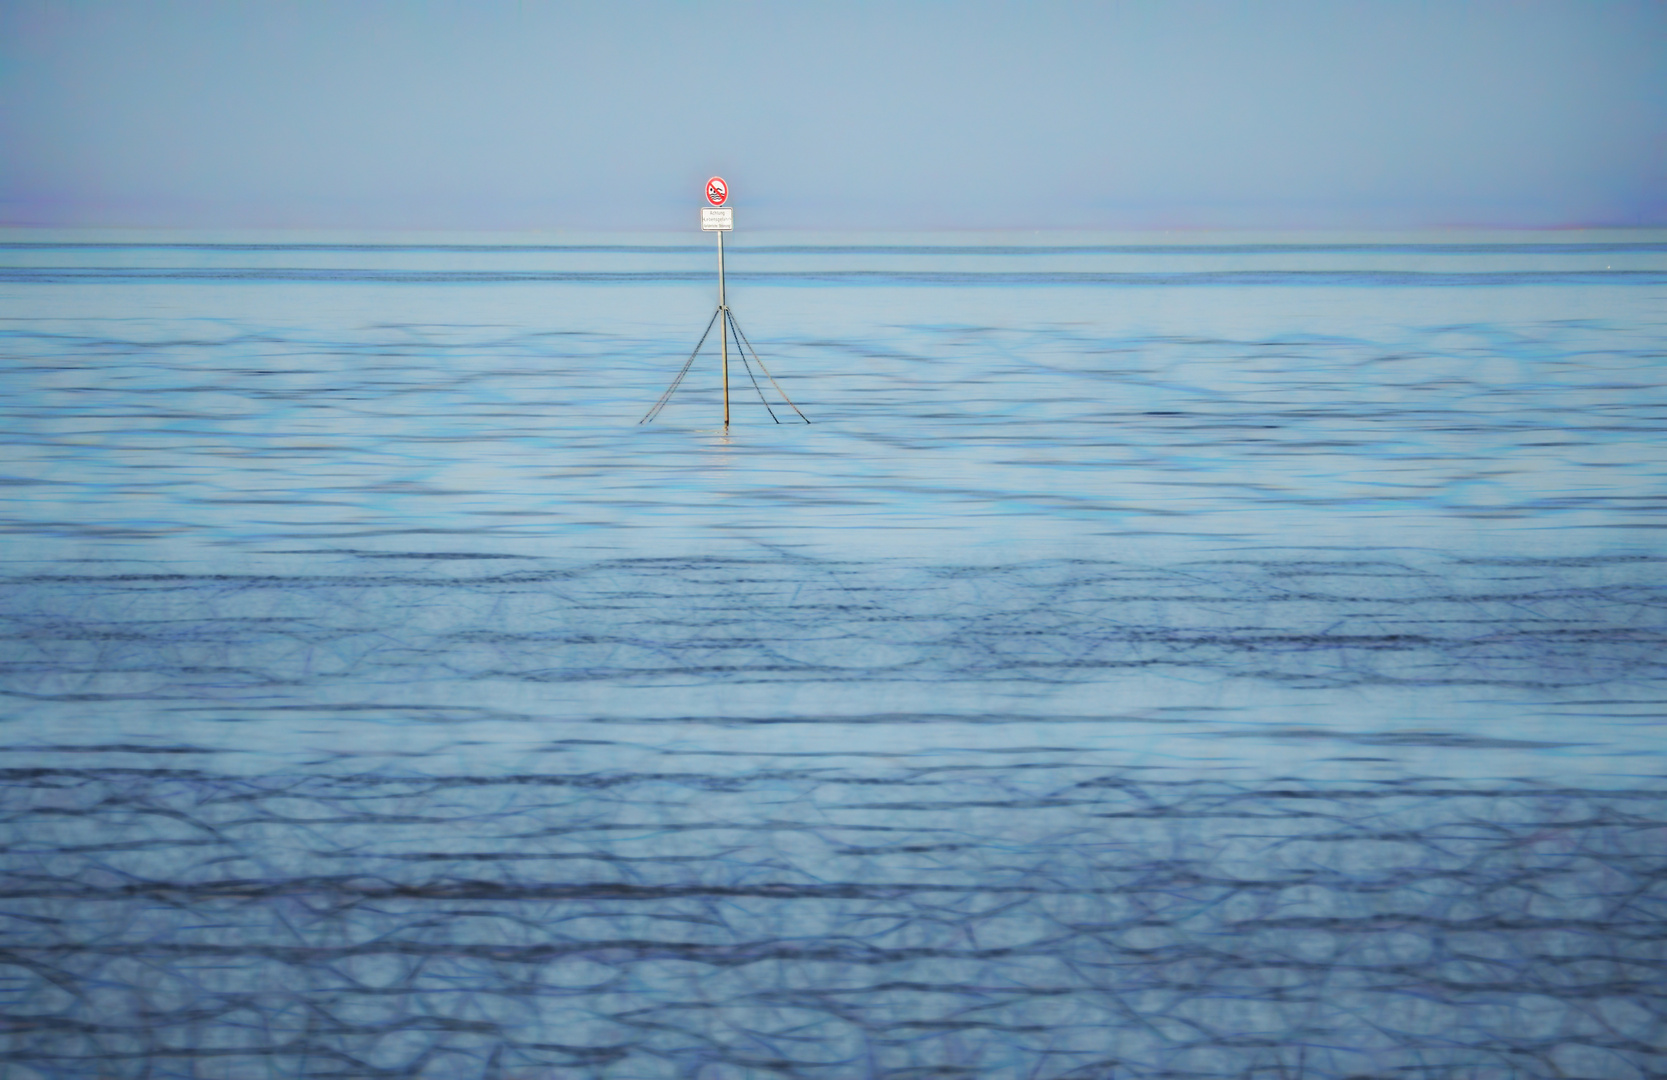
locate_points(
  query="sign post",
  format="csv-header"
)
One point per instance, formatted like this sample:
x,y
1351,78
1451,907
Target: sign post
x,y
718,218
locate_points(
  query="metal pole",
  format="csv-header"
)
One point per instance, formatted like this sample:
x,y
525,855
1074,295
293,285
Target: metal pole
x,y
723,330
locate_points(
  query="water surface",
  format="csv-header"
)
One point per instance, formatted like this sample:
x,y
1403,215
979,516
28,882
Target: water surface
x,y
1214,656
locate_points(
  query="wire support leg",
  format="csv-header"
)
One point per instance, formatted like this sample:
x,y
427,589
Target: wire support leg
x,y
743,338
748,365
687,364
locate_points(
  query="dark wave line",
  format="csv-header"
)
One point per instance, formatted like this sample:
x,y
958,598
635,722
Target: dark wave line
x,y
1309,278
884,249
1644,930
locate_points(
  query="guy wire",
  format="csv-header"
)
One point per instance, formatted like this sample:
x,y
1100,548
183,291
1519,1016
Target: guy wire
x,y
665,397
750,375
766,370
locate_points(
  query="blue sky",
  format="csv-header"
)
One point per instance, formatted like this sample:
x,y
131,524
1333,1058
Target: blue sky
x,y
505,114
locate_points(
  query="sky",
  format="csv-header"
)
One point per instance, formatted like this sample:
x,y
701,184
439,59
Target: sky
x,y
509,114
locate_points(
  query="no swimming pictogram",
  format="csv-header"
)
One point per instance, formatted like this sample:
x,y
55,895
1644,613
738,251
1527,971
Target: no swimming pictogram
x,y
716,191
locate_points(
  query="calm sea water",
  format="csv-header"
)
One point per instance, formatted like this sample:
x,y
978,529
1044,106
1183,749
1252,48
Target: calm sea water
x,y
1218,657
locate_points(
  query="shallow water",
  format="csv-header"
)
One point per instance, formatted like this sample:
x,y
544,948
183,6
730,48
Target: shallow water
x,y
1229,657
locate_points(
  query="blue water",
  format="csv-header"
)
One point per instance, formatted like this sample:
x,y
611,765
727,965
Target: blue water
x,y
1208,656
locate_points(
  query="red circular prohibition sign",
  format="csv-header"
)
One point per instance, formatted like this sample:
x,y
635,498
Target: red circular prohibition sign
x,y
716,191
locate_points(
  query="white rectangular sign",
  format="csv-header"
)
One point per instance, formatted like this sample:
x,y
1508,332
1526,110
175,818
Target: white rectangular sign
x,y
717,219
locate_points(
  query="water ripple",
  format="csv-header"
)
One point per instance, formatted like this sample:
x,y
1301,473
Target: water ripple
x,y
1192,678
